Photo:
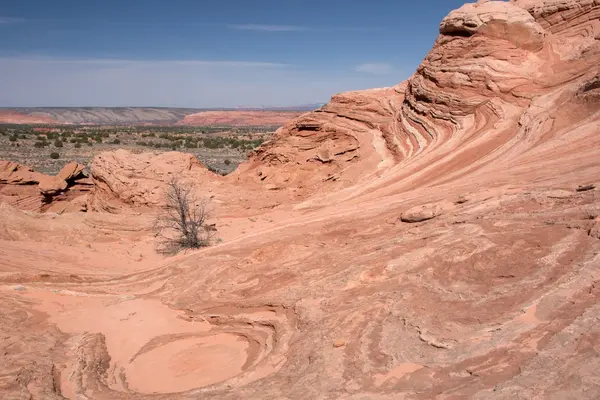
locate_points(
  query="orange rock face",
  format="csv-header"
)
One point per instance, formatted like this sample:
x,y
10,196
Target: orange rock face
x,y
27,189
239,118
13,173
436,239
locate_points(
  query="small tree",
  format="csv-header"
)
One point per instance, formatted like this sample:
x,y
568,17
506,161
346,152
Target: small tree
x,y
182,224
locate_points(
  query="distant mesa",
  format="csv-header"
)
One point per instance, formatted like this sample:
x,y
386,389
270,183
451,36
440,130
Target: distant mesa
x,y
151,115
15,117
240,118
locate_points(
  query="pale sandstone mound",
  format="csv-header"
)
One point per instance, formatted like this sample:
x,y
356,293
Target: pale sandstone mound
x,y
123,179
239,118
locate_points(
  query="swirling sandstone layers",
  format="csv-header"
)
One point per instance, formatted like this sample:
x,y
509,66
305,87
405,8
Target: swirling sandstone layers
x,y
353,134
501,79
458,257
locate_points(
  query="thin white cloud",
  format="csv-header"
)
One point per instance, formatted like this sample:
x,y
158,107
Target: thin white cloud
x,y
268,28
8,20
32,80
375,68
298,28
130,62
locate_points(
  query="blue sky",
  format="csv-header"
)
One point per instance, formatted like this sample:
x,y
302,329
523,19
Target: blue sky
x,y
220,53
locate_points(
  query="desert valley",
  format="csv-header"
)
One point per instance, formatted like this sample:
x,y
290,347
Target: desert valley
x,y
439,238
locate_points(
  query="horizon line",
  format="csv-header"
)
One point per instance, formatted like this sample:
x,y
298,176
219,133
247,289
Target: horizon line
x,y
114,61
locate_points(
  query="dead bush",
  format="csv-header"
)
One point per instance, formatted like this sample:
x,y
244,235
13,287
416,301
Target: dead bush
x,y
183,222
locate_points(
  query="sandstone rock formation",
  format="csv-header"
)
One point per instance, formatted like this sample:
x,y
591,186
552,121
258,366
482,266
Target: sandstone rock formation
x,y
71,171
13,173
316,288
27,189
337,139
501,81
52,186
123,179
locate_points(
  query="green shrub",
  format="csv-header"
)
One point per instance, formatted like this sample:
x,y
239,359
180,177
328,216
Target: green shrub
x,y
58,143
13,138
227,162
54,155
77,145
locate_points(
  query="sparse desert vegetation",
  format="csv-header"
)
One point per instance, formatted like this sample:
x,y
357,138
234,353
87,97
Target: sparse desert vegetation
x,y
220,148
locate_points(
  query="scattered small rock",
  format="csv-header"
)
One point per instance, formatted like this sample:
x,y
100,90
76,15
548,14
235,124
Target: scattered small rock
x,y
462,199
339,343
51,186
19,288
432,341
459,374
324,156
585,188
421,213
559,194
595,231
